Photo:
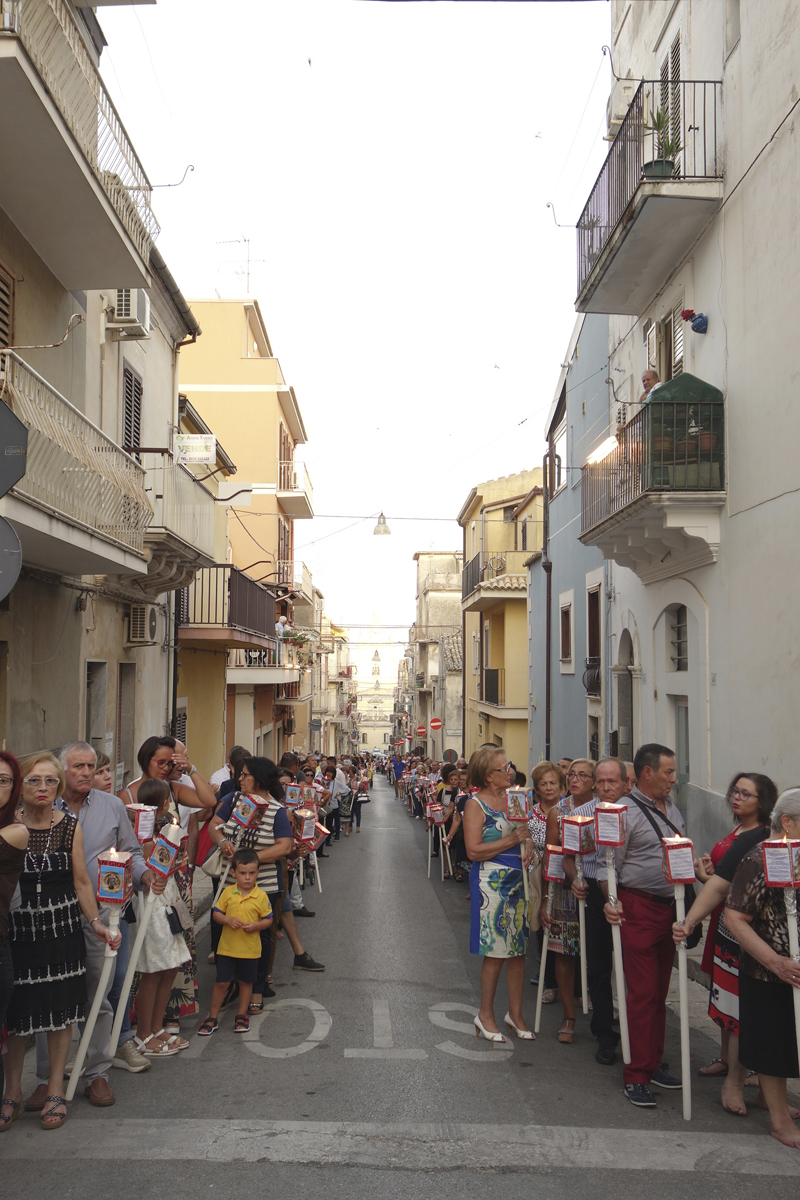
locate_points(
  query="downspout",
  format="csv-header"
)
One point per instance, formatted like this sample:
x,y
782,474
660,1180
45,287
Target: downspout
x,y
173,722
547,567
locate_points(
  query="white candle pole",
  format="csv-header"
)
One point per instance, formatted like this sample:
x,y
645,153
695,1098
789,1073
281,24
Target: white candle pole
x,y
616,937
790,898
430,839
316,872
551,887
582,927
683,990
102,985
447,852
440,831
143,920
227,870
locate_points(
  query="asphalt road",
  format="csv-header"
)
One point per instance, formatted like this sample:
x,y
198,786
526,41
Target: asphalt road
x,y
368,1079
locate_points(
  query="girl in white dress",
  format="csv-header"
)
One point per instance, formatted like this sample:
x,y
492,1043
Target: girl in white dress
x,y
163,951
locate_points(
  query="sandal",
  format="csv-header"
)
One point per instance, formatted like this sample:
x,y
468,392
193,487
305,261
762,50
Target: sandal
x,y
175,1040
459,878
7,1121
550,996
51,1118
163,1050
567,1036
241,1024
254,1007
707,1071
207,1027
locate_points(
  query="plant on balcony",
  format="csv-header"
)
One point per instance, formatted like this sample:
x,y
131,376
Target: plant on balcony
x,y
666,145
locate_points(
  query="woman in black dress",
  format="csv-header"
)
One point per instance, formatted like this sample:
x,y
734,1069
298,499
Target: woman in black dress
x,y
46,937
13,843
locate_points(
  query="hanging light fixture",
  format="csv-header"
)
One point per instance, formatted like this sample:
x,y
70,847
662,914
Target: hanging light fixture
x,y
381,527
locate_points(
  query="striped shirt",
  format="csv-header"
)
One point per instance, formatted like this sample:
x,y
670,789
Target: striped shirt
x,y
261,838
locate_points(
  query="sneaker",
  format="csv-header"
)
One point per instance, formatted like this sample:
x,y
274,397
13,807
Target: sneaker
x,y
640,1095
668,1082
304,962
128,1058
304,912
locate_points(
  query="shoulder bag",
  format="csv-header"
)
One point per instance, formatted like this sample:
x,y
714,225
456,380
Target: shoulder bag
x,y
694,937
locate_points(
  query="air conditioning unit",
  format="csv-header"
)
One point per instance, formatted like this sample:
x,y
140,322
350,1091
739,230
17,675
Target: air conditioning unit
x,y
131,317
619,102
288,726
142,625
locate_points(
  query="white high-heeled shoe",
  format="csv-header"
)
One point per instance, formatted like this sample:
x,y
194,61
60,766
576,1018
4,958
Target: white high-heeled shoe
x,y
524,1035
480,1031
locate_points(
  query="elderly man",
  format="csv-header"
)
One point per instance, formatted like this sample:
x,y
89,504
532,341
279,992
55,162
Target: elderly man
x,y
644,912
104,823
610,785
650,382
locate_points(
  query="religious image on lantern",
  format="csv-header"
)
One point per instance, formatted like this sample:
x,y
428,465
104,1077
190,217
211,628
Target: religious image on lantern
x,y
519,805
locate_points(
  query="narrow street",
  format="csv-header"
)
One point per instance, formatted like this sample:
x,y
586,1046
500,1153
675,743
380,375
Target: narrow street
x,y
376,1067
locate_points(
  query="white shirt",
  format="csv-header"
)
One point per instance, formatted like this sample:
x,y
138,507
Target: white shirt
x,y
221,776
279,628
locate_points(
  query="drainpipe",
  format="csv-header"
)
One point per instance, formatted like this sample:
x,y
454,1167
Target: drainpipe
x,y
173,721
547,567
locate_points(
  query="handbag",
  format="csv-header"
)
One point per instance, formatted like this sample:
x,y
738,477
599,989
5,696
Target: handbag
x,y
215,863
693,939
179,918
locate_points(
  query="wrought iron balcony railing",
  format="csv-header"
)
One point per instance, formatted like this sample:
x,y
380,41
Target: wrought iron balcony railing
x,y
689,146
494,685
592,677
222,597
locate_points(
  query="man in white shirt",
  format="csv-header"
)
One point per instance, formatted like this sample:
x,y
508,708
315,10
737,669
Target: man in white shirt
x,y
280,629
225,773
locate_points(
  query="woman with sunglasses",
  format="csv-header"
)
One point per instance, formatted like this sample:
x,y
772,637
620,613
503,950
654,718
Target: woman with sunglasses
x,y
47,943
751,798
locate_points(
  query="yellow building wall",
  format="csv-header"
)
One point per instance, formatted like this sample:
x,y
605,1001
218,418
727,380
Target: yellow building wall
x,y
516,654
201,678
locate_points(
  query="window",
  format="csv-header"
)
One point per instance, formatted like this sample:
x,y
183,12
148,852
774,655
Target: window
x,y
593,623
181,719
486,644
679,642
671,88
565,652
6,308
508,513
523,535
132,409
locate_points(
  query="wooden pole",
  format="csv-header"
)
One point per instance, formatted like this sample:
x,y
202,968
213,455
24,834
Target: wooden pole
x,y
551,887
683,990
616,937
582,927
109,960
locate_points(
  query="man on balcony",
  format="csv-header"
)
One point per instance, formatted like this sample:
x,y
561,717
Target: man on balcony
x,y
650,382
280,629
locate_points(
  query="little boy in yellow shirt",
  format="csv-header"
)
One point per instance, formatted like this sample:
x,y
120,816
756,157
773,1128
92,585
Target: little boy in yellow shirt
x,y
244,910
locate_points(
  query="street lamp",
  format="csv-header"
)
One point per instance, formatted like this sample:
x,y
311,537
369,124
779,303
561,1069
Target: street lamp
x,y
381,527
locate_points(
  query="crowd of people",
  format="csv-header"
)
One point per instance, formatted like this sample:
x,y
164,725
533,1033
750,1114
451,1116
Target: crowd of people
x,y
746,953
58,814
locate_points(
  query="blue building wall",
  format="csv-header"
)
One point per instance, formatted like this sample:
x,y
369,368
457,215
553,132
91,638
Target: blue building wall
x,y
587,425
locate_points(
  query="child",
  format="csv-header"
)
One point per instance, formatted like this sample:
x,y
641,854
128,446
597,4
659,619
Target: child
x,y
163,951
243,910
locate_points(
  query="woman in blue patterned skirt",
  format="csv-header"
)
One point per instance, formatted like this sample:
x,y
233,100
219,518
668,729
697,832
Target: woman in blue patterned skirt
x,y
499,927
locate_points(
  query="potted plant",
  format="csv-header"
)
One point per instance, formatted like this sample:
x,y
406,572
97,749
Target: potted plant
x,y
666,146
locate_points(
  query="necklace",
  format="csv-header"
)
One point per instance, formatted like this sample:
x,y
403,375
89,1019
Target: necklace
x,y
39,869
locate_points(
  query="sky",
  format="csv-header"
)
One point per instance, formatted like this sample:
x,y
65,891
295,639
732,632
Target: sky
x,y
390,165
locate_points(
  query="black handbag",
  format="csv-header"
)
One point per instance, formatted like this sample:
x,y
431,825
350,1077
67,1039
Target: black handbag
x,y
693,939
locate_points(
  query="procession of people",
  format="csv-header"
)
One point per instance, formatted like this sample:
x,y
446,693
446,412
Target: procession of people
x,y
258,829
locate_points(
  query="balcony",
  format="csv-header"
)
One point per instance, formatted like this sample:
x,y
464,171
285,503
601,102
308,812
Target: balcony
x,y
492,577
81,507
181,537
296,577
71,180
224,608
264,666
653,504
592,677
295,493
493,696
646,211
296,692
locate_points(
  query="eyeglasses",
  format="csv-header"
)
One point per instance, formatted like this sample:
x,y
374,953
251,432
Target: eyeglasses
x,y
6,781
35,781
744,795
578,775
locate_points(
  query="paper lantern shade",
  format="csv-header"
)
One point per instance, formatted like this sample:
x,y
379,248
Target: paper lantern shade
x,y
166,856
114,877
577,834
304,823
519,805
292,798
322,832
250,811
678,859
781,862
437,814
143,820
553,869
610,824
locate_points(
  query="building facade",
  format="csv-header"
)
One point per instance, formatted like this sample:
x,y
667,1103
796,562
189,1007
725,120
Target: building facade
x,y
436,648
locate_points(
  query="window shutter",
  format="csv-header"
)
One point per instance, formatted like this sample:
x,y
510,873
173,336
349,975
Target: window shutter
x,y
6,308
132,401
524,534
677,340
675,98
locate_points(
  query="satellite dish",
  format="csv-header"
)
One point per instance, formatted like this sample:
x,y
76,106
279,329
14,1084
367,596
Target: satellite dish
x,y
10,557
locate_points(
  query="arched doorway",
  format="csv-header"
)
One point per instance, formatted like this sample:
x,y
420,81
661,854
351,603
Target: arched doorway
x,y
625,697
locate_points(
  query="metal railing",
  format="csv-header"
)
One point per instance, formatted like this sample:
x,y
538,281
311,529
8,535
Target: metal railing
x,y
669,446
293,476
494,685
290,691
73,468
692,115
295,575
592,678
55,46
222,597
491,564
182,505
